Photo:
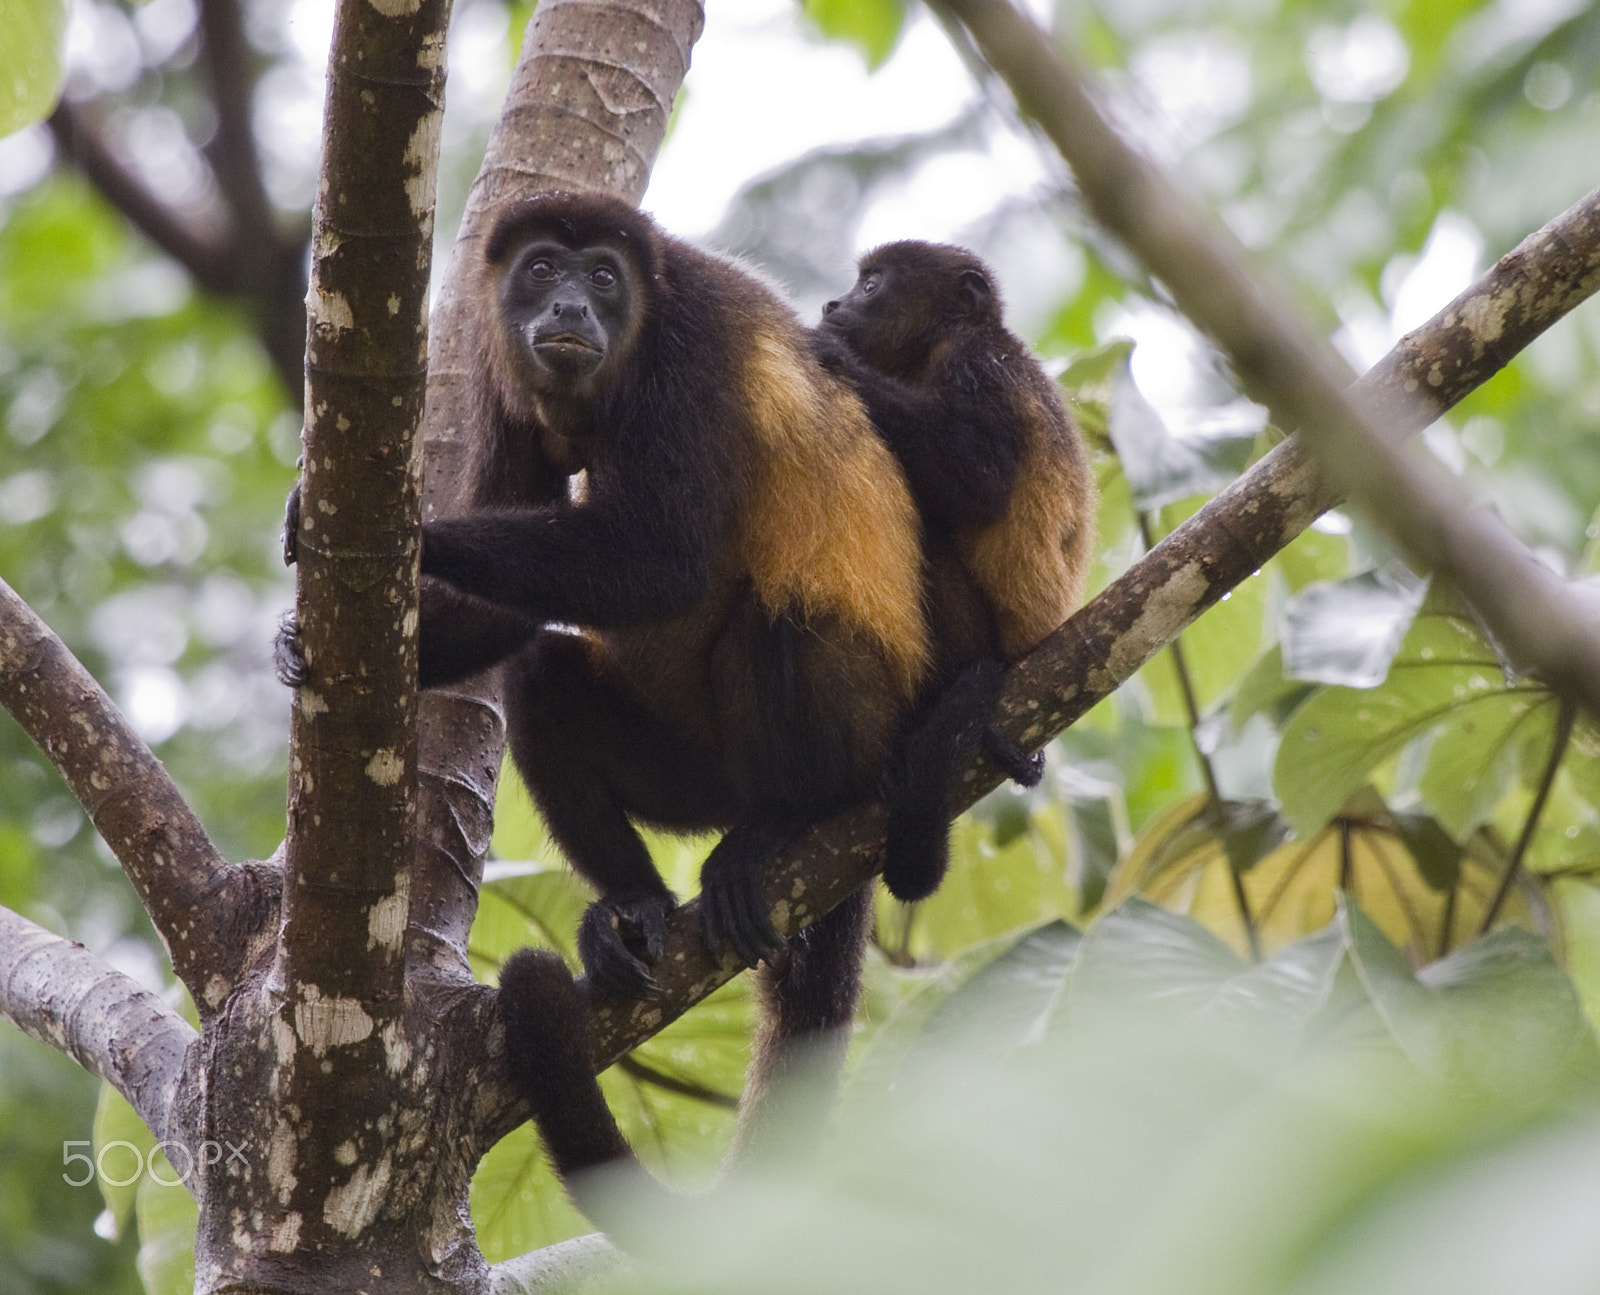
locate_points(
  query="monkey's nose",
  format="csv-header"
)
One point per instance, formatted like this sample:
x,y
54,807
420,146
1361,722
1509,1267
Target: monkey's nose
x,y
829,307
559,308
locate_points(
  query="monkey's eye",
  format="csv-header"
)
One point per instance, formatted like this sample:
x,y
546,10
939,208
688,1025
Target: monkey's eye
x,y
870,283
603,277
542,269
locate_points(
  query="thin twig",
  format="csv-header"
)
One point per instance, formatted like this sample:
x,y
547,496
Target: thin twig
x,y
1558,748
631,1065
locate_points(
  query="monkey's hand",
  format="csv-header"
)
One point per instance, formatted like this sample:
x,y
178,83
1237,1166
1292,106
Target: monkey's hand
x,y
830,352
733,909
1024,768
288,661
620,939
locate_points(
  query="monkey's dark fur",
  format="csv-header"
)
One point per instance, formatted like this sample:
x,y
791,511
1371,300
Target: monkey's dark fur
x,y
743,560
1007,501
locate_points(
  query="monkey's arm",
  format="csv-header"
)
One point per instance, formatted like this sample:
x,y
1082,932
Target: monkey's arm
x,y
957,440
639,549
462,635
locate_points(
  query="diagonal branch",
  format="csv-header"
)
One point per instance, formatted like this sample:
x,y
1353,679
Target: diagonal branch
x,y
1543,278
1525,605
62,995
195,900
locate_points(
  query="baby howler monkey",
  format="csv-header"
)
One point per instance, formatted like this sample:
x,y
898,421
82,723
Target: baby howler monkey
x,y
1007,500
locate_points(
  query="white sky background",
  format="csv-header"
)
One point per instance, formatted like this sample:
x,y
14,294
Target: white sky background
x,y
764,89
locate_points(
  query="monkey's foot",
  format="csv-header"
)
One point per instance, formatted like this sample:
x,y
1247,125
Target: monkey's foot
x,y
1022,767
733,909
620,939
916,854
288,661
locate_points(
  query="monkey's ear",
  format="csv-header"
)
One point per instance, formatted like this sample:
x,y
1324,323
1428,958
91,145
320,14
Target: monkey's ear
x,y
976,292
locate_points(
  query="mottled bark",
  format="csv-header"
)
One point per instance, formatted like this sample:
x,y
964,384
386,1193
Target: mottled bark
x,y
351,1079
66,998
192,896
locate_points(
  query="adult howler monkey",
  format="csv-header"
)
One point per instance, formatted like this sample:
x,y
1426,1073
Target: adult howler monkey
x,y
1006,496
743,562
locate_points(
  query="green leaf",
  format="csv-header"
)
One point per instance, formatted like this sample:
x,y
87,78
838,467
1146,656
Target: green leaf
x,y
1444,679
1162,468
32,36
1347,633
993,889
1437,854
1498,1009
1141,953
168,1218
1089,382
1009,1002
873,26
115,1121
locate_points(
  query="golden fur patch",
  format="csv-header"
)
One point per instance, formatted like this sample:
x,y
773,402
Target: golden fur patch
x,y
1032,564
832,526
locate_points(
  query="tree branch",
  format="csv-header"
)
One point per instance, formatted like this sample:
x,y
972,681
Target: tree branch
x,y
204,253
577,116
352,753
62,995
1546,276
232,150
268,265
1524,604
184,884
584,1263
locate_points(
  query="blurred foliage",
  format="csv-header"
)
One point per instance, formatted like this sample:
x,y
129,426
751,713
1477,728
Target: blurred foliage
x,y
30,60
1138,1110
1387,1101
873,26
48,1244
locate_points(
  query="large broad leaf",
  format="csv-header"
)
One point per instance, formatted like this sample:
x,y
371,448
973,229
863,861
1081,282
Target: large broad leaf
x,y
1142,956
1144,1150
1445,681
1010,1002
1498,1010
1425,891
1347,633
31,37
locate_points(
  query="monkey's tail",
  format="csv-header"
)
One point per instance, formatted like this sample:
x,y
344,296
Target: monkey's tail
x,y
808,1006
551,1063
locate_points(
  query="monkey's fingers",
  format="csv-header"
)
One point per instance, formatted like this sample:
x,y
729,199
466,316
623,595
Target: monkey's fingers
x,y
288,661
1024,768
620,939
733,913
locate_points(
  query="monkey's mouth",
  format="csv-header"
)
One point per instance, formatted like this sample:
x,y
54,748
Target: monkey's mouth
x,y
566,339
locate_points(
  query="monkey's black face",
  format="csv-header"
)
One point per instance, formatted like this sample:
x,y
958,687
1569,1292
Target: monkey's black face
x,y
853,315
567,307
